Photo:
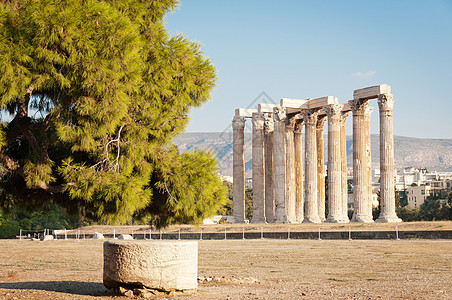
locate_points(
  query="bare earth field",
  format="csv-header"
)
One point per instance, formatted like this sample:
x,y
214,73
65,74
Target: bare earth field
x,y
246,269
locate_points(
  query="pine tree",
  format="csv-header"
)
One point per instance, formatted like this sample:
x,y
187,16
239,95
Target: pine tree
x,y
97,90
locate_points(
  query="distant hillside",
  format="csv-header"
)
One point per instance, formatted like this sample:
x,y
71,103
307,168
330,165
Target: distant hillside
x,y
434,154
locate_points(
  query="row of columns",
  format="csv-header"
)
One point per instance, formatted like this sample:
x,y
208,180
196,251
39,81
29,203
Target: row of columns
x,y
279,194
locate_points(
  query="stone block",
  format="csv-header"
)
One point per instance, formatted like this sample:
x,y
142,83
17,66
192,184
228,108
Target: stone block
x,y
265,107
294,103
125,237
160,265
372,91
245,112
98,236
321,102
47,237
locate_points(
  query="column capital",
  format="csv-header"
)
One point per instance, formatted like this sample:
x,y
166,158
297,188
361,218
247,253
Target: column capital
x,y
269,124
344,116
368,111
299,126
358,106
279,114
333,110
290,124
386,102
311,116
238,122
321,121
258,121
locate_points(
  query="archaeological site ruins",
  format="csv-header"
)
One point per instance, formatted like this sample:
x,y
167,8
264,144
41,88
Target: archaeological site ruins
x,y
286,190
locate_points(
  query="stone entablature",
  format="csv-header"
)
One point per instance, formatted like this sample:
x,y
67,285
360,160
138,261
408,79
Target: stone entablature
x,y
279,192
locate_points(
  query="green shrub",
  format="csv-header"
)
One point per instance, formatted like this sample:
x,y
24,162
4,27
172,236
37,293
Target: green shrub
x,y
9,229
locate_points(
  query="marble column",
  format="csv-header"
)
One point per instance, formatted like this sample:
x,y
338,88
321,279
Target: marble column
x,y
320,167
311,203
335,214
269,186
368,207
298,140
258,164
360,162
238,165
290,171
279,164
344,183
387,185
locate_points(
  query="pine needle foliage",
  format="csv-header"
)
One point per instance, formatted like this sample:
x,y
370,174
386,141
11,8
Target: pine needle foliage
x,y
97,90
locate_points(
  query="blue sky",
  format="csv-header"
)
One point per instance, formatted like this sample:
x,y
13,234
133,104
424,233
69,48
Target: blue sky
x,y
310,49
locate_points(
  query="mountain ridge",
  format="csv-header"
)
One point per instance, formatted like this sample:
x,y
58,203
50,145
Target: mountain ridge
x,y
433,154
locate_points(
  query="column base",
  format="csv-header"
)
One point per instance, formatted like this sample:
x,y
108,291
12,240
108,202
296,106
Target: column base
x,y
388,219
258,220
238,220
336,220
362,219
315,219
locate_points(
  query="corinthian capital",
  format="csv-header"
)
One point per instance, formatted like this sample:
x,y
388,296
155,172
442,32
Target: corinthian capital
x,y
385,102
344,116
279,114
299,126
269,124
311,116
321,122
333,110
258,121
290,124
238,123
358,106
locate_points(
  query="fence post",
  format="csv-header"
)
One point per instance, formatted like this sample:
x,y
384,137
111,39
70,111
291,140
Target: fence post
x,y
225,234
179,235
319,234
243,233
349,233
397,232
262,233
200,237
65,234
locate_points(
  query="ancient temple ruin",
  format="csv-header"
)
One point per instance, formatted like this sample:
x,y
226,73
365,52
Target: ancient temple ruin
x,y
279,192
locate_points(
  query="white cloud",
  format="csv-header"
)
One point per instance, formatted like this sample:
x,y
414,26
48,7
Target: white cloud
x,y
365,75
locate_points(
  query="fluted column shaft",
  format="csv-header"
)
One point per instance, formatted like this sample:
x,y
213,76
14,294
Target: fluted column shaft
x,y
387,188
298,139
290,171
320,167
360,162
335,214
269,186
344,184
368,205
279,164
258,169
311,205
238,171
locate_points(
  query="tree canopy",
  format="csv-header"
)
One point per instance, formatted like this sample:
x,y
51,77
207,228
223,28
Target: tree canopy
x,y
96,91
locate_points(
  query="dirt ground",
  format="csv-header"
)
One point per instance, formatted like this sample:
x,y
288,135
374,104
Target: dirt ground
x,y
246,269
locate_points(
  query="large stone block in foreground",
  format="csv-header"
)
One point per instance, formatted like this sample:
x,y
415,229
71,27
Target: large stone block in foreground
x,y
162,265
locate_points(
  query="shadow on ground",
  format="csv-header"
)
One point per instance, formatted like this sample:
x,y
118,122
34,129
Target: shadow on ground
x,y
70,287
